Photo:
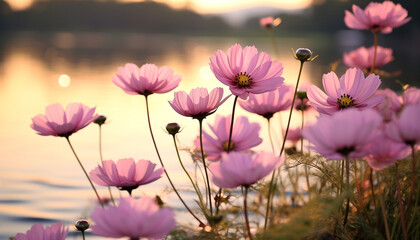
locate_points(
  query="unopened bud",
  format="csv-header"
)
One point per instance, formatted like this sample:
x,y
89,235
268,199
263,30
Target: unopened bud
x,y
82,225
303,54
100,120
173,128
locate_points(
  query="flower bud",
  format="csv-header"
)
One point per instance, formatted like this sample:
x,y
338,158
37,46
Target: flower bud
x,y
100,120
173,128
301,94
303,54
82,225
159,201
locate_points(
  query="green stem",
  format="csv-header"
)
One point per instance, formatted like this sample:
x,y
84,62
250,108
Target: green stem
x,y
270,186
371,186
308,185
384,214
375,34
273,41
231,123
163,166
347,190
413,180
248,229
80,163
83,235
403,226
102,161
205,166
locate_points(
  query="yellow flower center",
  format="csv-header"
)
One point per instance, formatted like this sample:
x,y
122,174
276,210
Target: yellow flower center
x,y
243,79
345,101
225,146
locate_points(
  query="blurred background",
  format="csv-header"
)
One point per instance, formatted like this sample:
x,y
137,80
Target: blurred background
x,y
62,51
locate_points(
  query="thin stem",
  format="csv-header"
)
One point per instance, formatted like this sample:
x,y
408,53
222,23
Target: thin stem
x,y
248,229
80,163
273,41
231,123
270,186
186,172
163,166
384,214
342,177
397,176
102,160
375,34
356,181
413,179
205,166
371,186
83,235
347,189
291,108
308,185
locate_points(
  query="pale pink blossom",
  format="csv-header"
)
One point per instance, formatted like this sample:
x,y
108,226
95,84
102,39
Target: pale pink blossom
x,y
243,169
145,80
199,103
344,133
125,173
268,103
245,135
406,128
246,71
411,96
383,152
133,218
363,57
56,231
391,104
63,123
353,90
381,17
270,22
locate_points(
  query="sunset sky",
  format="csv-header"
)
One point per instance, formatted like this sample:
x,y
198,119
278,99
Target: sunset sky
x,y
203,6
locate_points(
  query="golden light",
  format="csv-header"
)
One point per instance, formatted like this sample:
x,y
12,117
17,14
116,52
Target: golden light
x,y
64,80
206,73
19,4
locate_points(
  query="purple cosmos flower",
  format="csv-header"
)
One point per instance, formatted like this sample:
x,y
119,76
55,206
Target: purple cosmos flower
x,y
406,128
363,57
352,90
381,17
246,71
57,231
63,123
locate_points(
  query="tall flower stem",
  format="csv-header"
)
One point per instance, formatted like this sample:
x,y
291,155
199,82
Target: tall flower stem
x,y
371,186
403,226
205,166
384,215
347,190
375,34
273,41
83,235
308,185
80,163
248,229
413,179
356,181
270,186
164,169
186,172
102,161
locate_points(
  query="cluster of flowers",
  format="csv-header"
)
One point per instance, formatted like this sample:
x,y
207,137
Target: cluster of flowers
x,y
356,121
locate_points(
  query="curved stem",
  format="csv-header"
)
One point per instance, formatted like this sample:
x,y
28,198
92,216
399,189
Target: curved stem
x,y
403,226
383,210
205,166
291,108
270,186
186,172
347,189
375,34
102,161
80,163
163,166
248,229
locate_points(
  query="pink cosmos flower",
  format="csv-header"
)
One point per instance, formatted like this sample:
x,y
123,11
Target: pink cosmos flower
x,y
244,136
383,152
145,80
243,169
390,106
57,231
411,96
270,22
268,103
294,135
363,57
133,218
352,90
199,103
125,173
343,133
63,123
381,17
406,128
246,71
